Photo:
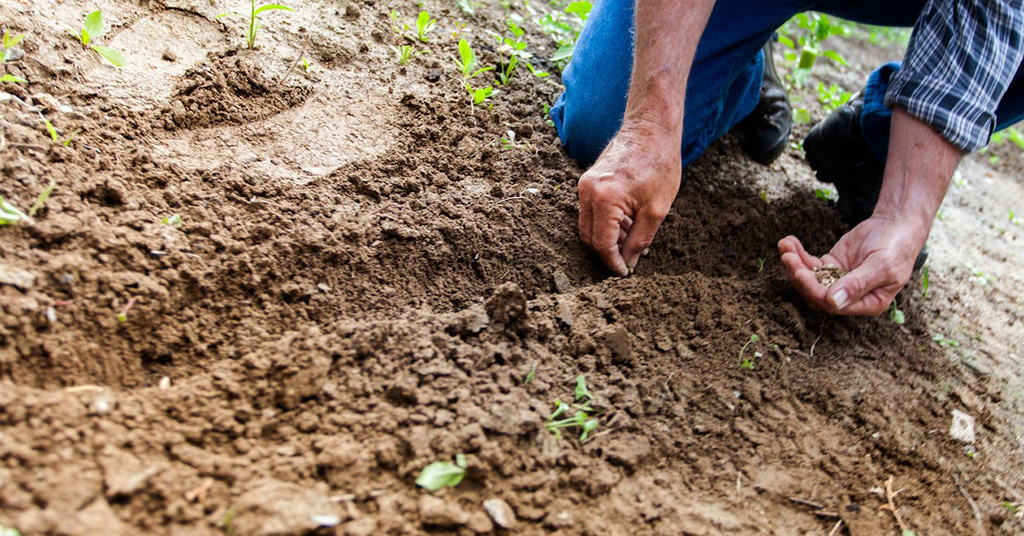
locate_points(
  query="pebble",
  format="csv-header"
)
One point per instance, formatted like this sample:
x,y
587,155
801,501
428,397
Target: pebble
x,y
501,513
962,427
10,275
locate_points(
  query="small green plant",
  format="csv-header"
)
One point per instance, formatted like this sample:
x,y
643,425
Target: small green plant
x,y
7,77
581,390
979,276
516,48
810,31
832,97
467,62
760,265
508,141
1010,507
896,315
424,25
479,94
227,523
10,214
8,44
531,374
404,53
925,281
92,29
564,28
174,220
9,531
254,25
442,474
945,342
746,362
41,200
826,194
581,413
1014,220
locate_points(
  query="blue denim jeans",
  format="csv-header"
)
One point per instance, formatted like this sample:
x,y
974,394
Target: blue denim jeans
x,y
725,80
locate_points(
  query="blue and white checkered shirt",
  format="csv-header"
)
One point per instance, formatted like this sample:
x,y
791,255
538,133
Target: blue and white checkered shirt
x,y
961,59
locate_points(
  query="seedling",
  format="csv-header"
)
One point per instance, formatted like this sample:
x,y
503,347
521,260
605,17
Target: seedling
x,y
832,97
227,523
813,30
174,220
92,29
564,28
41,200
760,265
405,53
54,135
254,24
398,26
424,25
945,342
442,474
581,389
508,141
925,276
467,62
826,194
896,316
122,316
577,415
979,276
10,214
1014,219
748,363
530,375
480,94
8,44
7,77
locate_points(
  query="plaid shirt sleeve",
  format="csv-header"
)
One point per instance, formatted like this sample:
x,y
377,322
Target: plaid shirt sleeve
x,y
962,56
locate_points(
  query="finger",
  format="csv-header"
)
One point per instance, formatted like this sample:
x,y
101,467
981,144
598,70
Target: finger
x,y
624,226
803,279
607,224
641,234
793,244
586,223
863,290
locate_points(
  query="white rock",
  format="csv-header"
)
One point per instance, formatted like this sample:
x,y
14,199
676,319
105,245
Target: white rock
x,y
962,428
501,513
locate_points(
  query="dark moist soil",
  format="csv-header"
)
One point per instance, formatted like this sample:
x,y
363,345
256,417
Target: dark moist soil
x,y
363,278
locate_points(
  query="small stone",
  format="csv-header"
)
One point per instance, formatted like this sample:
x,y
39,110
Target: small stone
x,y
323,287
16,277
480,523
501,513
962,428
432,75
562,282
360,527
101,405
616,339
169,56
14,54
565,315
507,304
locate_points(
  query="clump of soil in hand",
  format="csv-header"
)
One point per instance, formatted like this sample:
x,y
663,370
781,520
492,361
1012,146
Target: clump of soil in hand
x,y
829,274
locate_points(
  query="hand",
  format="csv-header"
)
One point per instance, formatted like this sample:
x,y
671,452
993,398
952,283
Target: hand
x,y
626,195
879,255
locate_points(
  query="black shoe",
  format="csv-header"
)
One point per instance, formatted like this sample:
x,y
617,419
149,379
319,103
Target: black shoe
x,y
764,134
839,154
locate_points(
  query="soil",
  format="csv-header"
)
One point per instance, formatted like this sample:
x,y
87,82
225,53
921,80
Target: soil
x,y
364,276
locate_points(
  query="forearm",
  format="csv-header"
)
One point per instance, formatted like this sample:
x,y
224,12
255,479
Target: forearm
x,y
917,173
667,34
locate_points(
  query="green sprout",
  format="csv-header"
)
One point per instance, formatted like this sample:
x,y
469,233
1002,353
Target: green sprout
x,y
979,276
254,25
925,276
826,194
945,342
41,200
811,30
405,53
424,25
760,265
227,523
7,77
832,97
480,94
517,51
564,28
10,214
578,415
1010,507
581,391
467,62
174,220
442,474
1014,219
531,374
896,315
748,363
92,29
8,44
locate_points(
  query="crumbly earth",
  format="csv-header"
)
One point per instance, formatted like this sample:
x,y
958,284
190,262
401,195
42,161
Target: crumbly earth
x,y
364,275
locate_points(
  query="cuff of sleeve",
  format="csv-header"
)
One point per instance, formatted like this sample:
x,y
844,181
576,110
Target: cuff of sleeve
x,y
954,115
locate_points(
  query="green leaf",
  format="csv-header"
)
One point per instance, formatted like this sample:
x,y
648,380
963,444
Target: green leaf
x,y
531,374
269,7
11,42
581,8
93,26
9,531
113,56
6,77
442,474
908,533
801,115
41,200
786,41
834,56
581,389
564,52
52,130
807,58
896,316
468,57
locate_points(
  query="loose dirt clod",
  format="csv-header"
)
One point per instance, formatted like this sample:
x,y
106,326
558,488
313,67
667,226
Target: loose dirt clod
x,y
829,274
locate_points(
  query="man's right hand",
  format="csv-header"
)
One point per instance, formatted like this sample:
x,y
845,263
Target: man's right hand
x,y
627,193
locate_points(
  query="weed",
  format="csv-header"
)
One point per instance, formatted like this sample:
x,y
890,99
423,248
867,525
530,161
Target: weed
x,y
810,31
254,25
945,342
581,413
6,77
405,53
925,276
832,97
531,374
826,194
41,200
8,44
760,265
174,220
424,25
441,474
508,141
748,363
227,523
896,315
515,46
92,29
479,94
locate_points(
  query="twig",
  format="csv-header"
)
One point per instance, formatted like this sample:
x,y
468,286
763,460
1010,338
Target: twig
x,y
814,343
805,502
890,496
198,494
974,506
511,199
297,58
27,146
835,528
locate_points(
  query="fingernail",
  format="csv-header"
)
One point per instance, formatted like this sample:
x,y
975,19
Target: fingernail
x,y
840,298
645,252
